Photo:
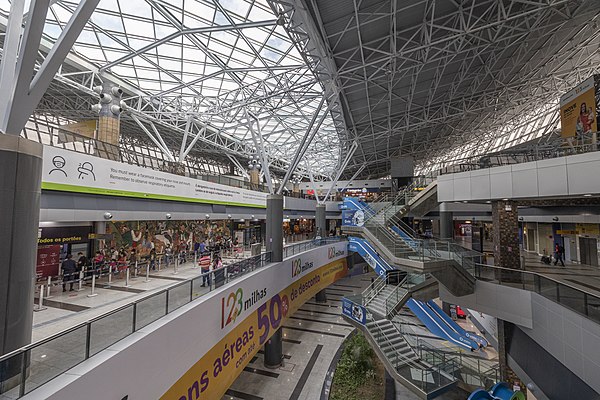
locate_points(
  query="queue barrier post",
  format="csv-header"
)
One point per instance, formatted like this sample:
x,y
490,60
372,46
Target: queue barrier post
x,y
159,262
147,272
127,278
135,271
80,284
195,260
40,305
48,287
110,273
93,293
175,265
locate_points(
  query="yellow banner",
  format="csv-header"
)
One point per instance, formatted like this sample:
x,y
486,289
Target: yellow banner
x,y
578,110
588,229
214,373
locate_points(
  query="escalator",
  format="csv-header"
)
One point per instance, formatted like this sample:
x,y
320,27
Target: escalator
x,y
436,325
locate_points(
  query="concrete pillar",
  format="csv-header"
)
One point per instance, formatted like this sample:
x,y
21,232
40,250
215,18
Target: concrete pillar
x,y
321,230
20,183
295,189
109,122
274,350
446,223
320,221
505,330
99,227
274,239
505,234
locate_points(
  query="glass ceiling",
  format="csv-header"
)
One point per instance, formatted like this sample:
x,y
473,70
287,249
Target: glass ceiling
x,y
216,58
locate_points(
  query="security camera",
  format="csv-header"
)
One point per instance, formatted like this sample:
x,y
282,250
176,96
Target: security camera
x,y
116,109
207,216
229,216
116,91
97,107
123,105
108,215
105,98
97,89
168,216
555,219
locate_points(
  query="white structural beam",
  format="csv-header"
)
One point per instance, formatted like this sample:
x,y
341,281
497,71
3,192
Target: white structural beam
x,y
358,171
21,47
158,144
258,139
349,156
239,166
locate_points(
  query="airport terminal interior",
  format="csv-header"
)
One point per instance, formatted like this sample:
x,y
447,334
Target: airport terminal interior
x,y
300,199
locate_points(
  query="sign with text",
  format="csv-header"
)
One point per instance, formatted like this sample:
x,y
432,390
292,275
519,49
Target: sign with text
x,y
82,173
578,109
355,311
48,260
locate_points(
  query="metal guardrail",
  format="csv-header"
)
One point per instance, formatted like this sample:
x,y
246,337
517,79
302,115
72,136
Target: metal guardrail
x,y
31,366
576,299
537,153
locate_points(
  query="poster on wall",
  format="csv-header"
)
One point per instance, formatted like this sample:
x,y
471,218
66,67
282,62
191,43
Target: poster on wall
x,y
48,260
579,109
355,311
65,170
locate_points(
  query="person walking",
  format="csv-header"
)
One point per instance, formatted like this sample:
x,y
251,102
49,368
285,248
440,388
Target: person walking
x,y
559,252
69,268
204,264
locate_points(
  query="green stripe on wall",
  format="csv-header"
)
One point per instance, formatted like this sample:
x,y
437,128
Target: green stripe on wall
x,y
138,195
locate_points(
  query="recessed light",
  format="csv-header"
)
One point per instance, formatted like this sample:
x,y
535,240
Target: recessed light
x,y
587,195
504,199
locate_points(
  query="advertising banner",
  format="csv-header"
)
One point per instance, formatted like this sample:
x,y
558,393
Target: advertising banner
x,y
210,377
69,171
355,311
353,217
48,259
578,109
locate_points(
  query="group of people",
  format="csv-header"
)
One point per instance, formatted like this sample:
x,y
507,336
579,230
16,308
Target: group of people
x,y
119,260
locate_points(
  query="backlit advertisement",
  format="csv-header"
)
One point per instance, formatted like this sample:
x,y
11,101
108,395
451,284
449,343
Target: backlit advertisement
x,y
578,109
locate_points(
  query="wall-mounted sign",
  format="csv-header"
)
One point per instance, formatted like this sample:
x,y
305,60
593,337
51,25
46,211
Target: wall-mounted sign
x,y
64,234
355,311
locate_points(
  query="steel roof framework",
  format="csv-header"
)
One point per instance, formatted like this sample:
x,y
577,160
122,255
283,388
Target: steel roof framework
x,y
442,80
194,63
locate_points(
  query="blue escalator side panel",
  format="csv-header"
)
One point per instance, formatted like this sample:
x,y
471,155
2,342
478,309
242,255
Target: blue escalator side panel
x,y
480,394
368,253
469,335
446,318
437,326
407,239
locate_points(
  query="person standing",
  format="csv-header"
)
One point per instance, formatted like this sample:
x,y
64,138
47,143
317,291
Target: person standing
x,y
153,260
69,268
558,252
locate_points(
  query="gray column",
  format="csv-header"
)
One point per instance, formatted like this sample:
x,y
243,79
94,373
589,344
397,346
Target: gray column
x,y
20,182
321,230
321,221
274,239
274,350
446,222
100,227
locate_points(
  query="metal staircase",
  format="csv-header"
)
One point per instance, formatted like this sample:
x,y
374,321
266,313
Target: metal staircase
x,y
400,246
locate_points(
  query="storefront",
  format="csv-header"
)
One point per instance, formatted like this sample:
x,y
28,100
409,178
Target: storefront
x,y
55,242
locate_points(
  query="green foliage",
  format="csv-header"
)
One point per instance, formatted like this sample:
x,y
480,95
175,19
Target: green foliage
x,y
354,370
